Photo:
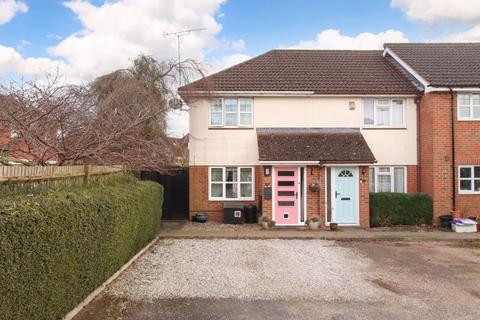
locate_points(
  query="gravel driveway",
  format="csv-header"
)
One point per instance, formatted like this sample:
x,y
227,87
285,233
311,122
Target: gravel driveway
x,y
283,279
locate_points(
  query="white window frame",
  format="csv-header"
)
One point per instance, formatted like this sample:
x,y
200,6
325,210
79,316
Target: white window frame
x,y
376,105
472,179
392,177
470,105
222,125
224,183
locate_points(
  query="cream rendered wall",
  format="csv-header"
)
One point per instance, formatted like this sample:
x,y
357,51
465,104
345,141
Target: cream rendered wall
x,y
239,146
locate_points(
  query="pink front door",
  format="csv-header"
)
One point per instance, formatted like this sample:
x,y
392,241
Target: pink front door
x,y
286,195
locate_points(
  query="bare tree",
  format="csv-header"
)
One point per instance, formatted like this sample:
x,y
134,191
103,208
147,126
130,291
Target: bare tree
x,y
120,118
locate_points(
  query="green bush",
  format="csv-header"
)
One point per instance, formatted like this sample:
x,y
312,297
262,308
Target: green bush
x,y
57,246
387,209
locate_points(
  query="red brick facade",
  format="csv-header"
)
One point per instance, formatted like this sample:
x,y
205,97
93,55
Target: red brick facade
x,y
316,201
436,153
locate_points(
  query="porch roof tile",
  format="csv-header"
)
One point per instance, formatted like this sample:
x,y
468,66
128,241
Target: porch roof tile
x,y
325,145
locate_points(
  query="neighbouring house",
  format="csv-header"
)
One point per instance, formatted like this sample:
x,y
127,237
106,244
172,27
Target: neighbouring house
x,y
302,133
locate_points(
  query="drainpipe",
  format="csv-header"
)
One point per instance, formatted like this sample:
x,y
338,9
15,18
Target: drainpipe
x,y
454,189
419,167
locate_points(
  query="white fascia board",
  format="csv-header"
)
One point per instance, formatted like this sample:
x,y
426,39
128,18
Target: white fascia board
x,y
406,67
288,162
291,94
437,89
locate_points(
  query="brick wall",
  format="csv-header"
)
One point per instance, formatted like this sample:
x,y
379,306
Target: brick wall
x,y
412,175
198,189
436,150
316,201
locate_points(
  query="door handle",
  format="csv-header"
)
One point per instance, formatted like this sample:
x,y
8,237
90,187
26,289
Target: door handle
x,y
336,194
296,195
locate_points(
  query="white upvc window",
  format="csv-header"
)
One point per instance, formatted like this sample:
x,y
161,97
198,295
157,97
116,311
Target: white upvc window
x,y
388,179
469,179
231,183
384,113
231,112
468,106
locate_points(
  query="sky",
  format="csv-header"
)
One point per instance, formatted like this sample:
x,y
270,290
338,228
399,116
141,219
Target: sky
x,y
84,39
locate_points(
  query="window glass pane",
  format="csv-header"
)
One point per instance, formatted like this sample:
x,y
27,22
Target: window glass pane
x,y
465,172
245,105
245,174
217,190
368,113
246,190
476,186
230,105
476,99
217,174
464,99
216,105
383,116
384,183
397,106
371,177
476,112
383,102
384,169
464,111
231,190
231,173
216,119
399,179
476,172
245,119
231,119
466,185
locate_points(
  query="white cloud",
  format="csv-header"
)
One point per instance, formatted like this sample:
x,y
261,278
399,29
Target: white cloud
x,y
12,62
333,39
238,45
435,11
9,8
471,35
226,61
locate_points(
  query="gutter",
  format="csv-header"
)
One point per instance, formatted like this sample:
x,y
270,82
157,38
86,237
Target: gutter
x,y
454,189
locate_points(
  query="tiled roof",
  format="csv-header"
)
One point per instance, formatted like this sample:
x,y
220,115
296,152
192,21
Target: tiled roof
x,y
317,71
313,144
442,64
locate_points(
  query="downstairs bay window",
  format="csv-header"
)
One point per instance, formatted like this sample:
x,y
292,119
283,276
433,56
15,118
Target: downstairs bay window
x,y
469,179
388,179
231,183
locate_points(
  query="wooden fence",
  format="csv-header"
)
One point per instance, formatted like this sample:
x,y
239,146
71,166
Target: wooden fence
x,y
14,177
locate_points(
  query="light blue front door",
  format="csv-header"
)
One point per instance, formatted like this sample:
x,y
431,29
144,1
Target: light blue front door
x,y
346,196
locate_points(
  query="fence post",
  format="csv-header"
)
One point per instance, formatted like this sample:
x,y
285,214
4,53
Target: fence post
x,y
86,174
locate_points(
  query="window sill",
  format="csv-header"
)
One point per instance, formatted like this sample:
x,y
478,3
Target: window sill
x,y
468,120
467,193
384,128
228,200
230,128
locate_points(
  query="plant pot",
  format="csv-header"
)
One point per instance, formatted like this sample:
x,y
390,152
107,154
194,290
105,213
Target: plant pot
x,y
202,218
455,214
314,225
333,227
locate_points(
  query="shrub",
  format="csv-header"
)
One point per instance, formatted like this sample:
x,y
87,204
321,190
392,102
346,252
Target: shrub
x,y
57,246
388,209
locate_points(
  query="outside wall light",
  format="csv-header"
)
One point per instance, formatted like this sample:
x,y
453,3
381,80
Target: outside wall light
x,y
267,171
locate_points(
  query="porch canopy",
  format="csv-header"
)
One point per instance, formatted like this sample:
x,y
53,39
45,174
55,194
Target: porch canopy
x,y
322,145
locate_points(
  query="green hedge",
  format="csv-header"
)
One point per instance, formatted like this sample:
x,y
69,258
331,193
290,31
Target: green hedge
x,y
387,209
56,247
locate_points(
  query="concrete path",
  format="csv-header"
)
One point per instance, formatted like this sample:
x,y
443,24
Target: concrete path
x,y
180,230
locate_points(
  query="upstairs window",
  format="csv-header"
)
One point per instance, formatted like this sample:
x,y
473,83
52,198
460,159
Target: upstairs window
x,y
231,112
469,106
384,113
